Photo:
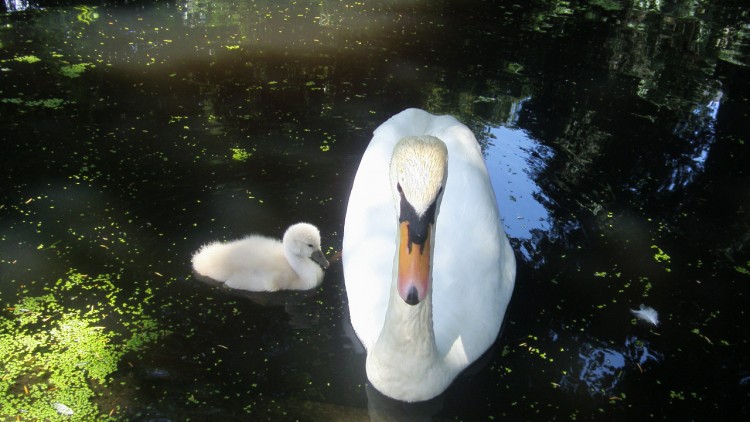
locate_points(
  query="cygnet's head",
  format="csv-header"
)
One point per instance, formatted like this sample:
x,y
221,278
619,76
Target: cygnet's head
x,y
303,240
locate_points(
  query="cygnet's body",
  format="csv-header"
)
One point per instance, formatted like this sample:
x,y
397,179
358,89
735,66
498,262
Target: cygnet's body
x,y
259,263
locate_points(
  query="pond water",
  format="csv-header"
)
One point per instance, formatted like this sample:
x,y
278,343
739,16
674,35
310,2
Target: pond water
x,y
615,131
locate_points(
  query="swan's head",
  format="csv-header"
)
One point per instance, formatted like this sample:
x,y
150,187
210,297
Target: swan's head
x,y
418,172
303,240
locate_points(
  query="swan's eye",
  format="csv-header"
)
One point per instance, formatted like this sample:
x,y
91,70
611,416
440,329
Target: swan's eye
x,y
398,186
309,245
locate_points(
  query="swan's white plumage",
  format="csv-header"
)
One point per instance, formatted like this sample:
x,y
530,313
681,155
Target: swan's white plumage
x,y
259,263
473,269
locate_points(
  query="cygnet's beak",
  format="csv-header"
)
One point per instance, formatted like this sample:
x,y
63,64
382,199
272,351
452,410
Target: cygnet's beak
x,y
319,258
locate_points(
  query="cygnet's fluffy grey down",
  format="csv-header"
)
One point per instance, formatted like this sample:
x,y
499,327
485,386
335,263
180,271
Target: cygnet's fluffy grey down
x,y
259,263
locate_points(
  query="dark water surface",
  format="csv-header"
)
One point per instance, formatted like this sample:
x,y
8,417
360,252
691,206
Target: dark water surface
x,y
616,133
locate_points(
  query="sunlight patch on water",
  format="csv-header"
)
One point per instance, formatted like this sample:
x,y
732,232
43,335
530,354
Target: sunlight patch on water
x,y
698,130
16,5
512,159
601,367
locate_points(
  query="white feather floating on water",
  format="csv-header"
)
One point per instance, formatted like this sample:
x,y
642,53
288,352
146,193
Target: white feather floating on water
x,y
646,313
63,409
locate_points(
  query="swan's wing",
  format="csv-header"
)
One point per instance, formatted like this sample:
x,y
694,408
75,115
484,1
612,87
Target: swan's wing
x,y
474,269
369,240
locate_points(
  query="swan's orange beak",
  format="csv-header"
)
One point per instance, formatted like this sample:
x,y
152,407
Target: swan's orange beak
x,y
413,266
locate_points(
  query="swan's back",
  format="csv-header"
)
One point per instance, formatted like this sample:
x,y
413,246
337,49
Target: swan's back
x,y
473,265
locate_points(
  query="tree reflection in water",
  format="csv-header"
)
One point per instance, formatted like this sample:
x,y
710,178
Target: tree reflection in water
x,y
600,367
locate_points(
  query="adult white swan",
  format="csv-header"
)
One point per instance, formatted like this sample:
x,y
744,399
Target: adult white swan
x,y
428,268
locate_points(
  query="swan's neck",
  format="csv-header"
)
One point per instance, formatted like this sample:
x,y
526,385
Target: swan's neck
x,y
307,271
408,329
404,362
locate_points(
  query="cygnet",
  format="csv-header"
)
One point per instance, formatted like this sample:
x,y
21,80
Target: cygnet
x,y
259,263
